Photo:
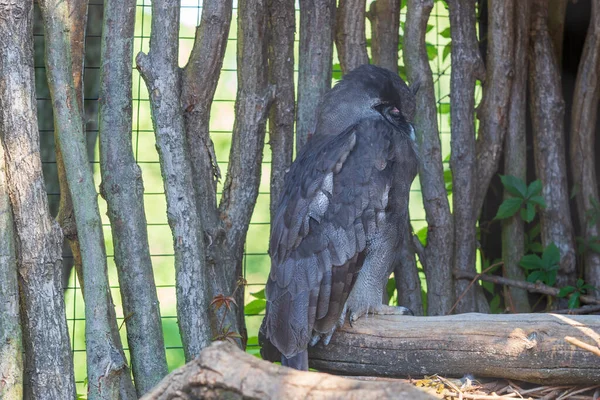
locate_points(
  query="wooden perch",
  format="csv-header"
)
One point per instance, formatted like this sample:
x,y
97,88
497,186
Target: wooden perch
x,y
224,371
529,347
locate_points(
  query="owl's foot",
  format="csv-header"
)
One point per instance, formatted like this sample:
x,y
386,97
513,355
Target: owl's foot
x,y
379,310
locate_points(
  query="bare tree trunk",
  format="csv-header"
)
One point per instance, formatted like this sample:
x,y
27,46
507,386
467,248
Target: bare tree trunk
x,y
11,343
437,261
547,108
494,108
77,26
123,189
240,191
200,78
350,37
385,24
515,160
282,28
583,131
467,66
49,367
163,79
314,63
557,10
107,370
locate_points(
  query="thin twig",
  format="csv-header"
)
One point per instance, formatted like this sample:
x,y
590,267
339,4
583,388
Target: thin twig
x,y
583,345
474,279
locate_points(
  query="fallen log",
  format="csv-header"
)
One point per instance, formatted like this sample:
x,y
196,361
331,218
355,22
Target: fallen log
x,y
537,348
222,371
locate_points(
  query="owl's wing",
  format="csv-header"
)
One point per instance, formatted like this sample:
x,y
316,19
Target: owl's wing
x,y
332,196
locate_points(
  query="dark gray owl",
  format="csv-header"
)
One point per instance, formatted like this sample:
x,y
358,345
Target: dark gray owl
x,y
339,221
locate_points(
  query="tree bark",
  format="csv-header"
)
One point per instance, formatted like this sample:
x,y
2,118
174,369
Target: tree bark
x,y
350,37
107,370
515,160
385,24
282,28
49,367
467,66
548,108
163,78
200,78
437,260
240,191
223,371
526,347
314,63
11,343
77,22
123,189
494,108
556,25
583,131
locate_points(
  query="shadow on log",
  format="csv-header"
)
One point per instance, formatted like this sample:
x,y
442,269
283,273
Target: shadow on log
x,y
222,371
537,348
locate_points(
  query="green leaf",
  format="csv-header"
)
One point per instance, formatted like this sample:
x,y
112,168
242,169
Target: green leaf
x,y
390,287
536,276
514,185
252,341
337,72
551,256
565,291
534,188
255,307
444,108
447,50
445,33
508,208
531,261
538,201
528,213
535,231
495,304
429,27
574,300
422,235
550,278
259,295
432,52
536,247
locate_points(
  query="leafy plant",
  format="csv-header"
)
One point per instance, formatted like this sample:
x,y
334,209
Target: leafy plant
x,y
526,199
532,244
591,244
575,292
543,268
226,303
257,305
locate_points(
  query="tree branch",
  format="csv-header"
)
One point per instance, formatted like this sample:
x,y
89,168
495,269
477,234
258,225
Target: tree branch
x,y
200,79
537,287
525,347
48,363
547,109
282,28
314,63
494,108
107,368
163,78
584,116
350,38
515,158
11,342
385,24
224,371
437,256
123,189
467,67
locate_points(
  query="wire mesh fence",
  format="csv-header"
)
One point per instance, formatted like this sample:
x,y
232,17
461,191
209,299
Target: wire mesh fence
x,y
256,259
